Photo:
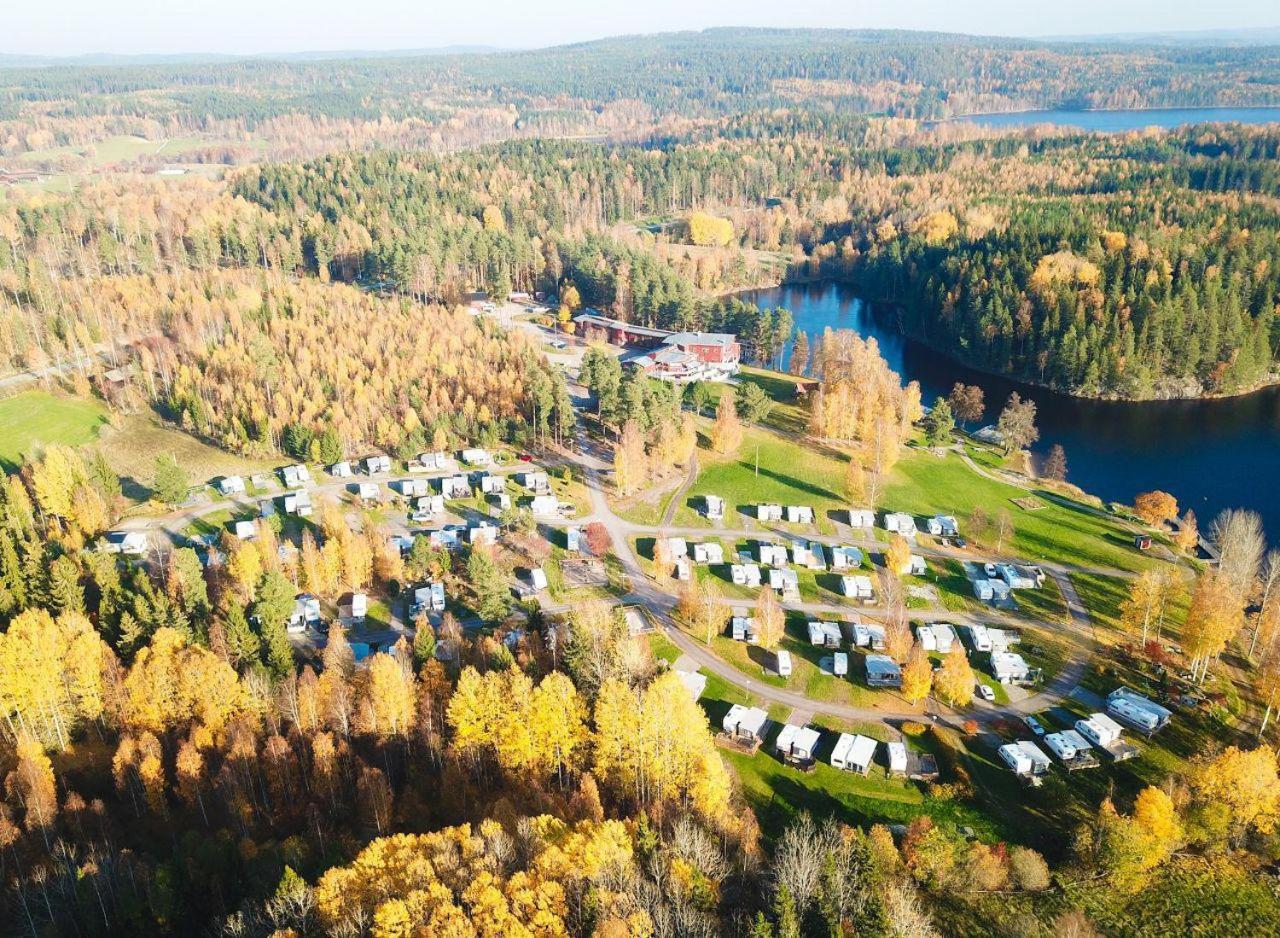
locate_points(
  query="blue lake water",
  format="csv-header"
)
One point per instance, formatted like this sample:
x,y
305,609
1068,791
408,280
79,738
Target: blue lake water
x,y
1210,454
1127,120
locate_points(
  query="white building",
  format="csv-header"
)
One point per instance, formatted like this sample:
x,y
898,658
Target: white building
x,y
1024,758
742,627
708,552
857,587
434,462
899,522
375,464
883,671
845,558
296,476
875,636
979,638
1067,745
297,503
824,634
482,533
535,481
341,470
943,526
738,574
231,485
797,743
428,506
306,611
1010,668
782,659
769,512
924,635
916,566
1099,729
545,506
684,569
747,723
853,753
861,637
573,540
413,488
1016,577
126,542
538,579
353,608
800,514
840,664
476,457
713,506
694,682
444,537
786,581
458,486
897,758
368,491
863,518
677,547
491,484
754,578
245,530
770,554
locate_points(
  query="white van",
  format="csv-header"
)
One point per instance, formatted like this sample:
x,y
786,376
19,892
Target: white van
x,y
784,663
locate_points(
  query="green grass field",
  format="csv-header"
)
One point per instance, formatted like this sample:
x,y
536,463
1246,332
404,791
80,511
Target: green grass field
x,y
36,418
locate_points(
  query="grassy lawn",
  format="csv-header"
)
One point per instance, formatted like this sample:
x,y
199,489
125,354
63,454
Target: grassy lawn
x,y
925,484
786,476
36,418
786,416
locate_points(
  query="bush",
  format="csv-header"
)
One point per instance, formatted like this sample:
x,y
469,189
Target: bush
x,y
1027,869
911,728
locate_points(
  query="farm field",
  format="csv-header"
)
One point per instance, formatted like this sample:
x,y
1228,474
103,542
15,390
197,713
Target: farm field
x,y
35,418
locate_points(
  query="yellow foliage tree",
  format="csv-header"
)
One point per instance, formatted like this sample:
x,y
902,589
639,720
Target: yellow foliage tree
x,y
706,229
953,682
917,674
897,555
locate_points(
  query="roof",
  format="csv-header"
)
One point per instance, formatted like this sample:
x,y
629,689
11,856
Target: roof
x,y
862,751
701,338
751,719
695,682
882,664
798,737
595,319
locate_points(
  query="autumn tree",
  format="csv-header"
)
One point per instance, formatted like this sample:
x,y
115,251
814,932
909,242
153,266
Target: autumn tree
x,y
1213,619
1055,464
953,683
1155,507
967,402
799,362
630,465
1187,537
726,432
897,555
1150,595
855,482
1237,534
1017,424
917,674
770,619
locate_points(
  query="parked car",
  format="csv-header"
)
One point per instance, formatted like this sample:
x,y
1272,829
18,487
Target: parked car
x,y
985,692
959,542
990,570
1034,725
525,457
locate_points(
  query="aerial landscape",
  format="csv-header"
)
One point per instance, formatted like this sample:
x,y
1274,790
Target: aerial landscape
x,y
652,471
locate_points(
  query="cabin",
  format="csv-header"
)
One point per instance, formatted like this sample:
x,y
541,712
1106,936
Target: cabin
x,y
745,723
245,530
863,518
799,514
943,526
824,634
944,636
538,579
452,487
1142,541
125,542
295,476
901,523
353,607
1010,668
491,484
428,598
861,637
376,464
677,547
769,512
444,537
797,744
1024,758
853,753
297,503
740,627
801,555
916,566
694,682
713,507
1020,578
413,488
482,533
883,671
535,481
782,660
858,587
545,506
708,552
341,470
845,558
840,664
1138,712
231,485
738,574
684,569
573,540
786,581
368,492
754,577
306,612
983,591
428,506
924,635
477,457
875,636
770,554
434,462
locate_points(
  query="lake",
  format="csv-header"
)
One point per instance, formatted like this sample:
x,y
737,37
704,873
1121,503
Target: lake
x,y
1210,454
1126,120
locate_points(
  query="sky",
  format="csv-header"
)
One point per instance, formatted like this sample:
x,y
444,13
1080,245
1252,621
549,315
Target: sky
x,y
74,27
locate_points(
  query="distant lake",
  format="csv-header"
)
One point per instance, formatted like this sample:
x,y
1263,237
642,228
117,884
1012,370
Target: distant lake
x,y
1126,120
1211,454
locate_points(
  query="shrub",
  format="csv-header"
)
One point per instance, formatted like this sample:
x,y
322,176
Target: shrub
x,y
911,728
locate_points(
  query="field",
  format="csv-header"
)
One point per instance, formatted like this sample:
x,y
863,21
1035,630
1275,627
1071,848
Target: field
x,y
34,418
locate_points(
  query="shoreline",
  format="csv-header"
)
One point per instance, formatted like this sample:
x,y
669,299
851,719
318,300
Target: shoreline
x,y
1222,396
